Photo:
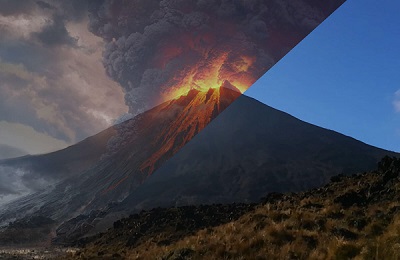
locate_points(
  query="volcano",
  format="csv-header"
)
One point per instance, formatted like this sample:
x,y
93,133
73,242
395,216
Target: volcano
x,y
130,152
251,150
176,154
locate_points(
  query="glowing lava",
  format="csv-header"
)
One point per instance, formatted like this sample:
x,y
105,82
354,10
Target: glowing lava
x,y
208,68
199,108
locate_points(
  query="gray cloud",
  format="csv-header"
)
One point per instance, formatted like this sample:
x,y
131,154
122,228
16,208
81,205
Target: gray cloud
x,y
45,5
55,34
7,151
12,7
51,74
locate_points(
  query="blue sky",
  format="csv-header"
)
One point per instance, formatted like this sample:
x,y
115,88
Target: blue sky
x,y
344,76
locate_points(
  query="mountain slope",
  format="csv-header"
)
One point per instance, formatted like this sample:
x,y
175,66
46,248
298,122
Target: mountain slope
x,y
245,153
138,147
249,150
67,162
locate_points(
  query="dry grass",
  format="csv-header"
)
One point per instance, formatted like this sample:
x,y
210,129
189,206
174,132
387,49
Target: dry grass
x,y
309,225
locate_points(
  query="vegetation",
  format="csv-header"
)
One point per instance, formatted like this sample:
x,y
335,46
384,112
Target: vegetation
x,y
356,217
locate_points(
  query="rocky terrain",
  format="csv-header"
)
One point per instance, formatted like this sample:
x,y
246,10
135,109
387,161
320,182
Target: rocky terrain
x,y
351,217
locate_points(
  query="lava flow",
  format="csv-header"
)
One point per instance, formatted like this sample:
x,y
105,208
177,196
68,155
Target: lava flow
x,y
145,142
199,108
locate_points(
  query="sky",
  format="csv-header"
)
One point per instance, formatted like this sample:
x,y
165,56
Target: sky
x,y
345,76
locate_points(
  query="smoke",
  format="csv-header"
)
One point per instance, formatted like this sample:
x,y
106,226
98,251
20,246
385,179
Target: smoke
x,y
157,48
17,182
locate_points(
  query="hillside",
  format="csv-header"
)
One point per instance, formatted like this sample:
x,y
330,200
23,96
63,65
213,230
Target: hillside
x,y
249,150
351,217
136,148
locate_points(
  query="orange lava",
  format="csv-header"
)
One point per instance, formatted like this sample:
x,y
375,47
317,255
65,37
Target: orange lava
x,y
202,108
210,67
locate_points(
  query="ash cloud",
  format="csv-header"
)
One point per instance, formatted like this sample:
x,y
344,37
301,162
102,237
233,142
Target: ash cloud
x,y
151,45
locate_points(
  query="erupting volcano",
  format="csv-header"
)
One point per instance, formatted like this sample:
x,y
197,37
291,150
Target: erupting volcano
x,y
137,149
214,68
160,50
198,108
187,60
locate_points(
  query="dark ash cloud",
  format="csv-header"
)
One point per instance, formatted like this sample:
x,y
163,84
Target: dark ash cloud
x,y
152,46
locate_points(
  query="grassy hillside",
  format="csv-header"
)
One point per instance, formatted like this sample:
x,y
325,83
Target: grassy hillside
x,y
351,217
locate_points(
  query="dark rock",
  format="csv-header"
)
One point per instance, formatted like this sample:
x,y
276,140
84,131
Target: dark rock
x,y
337,178
311,241
358,223
273,197
345,233
335,215
181,254
313,206
350,198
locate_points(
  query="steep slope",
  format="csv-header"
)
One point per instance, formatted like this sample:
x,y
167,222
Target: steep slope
x,y
138,147
355,217
249,150
33,173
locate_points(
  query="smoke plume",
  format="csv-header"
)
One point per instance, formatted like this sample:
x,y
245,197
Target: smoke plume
x,y
157,50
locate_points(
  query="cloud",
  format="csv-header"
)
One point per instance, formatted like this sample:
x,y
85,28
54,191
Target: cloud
x,y
51,74
26,138
55,34
7,151
15,8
